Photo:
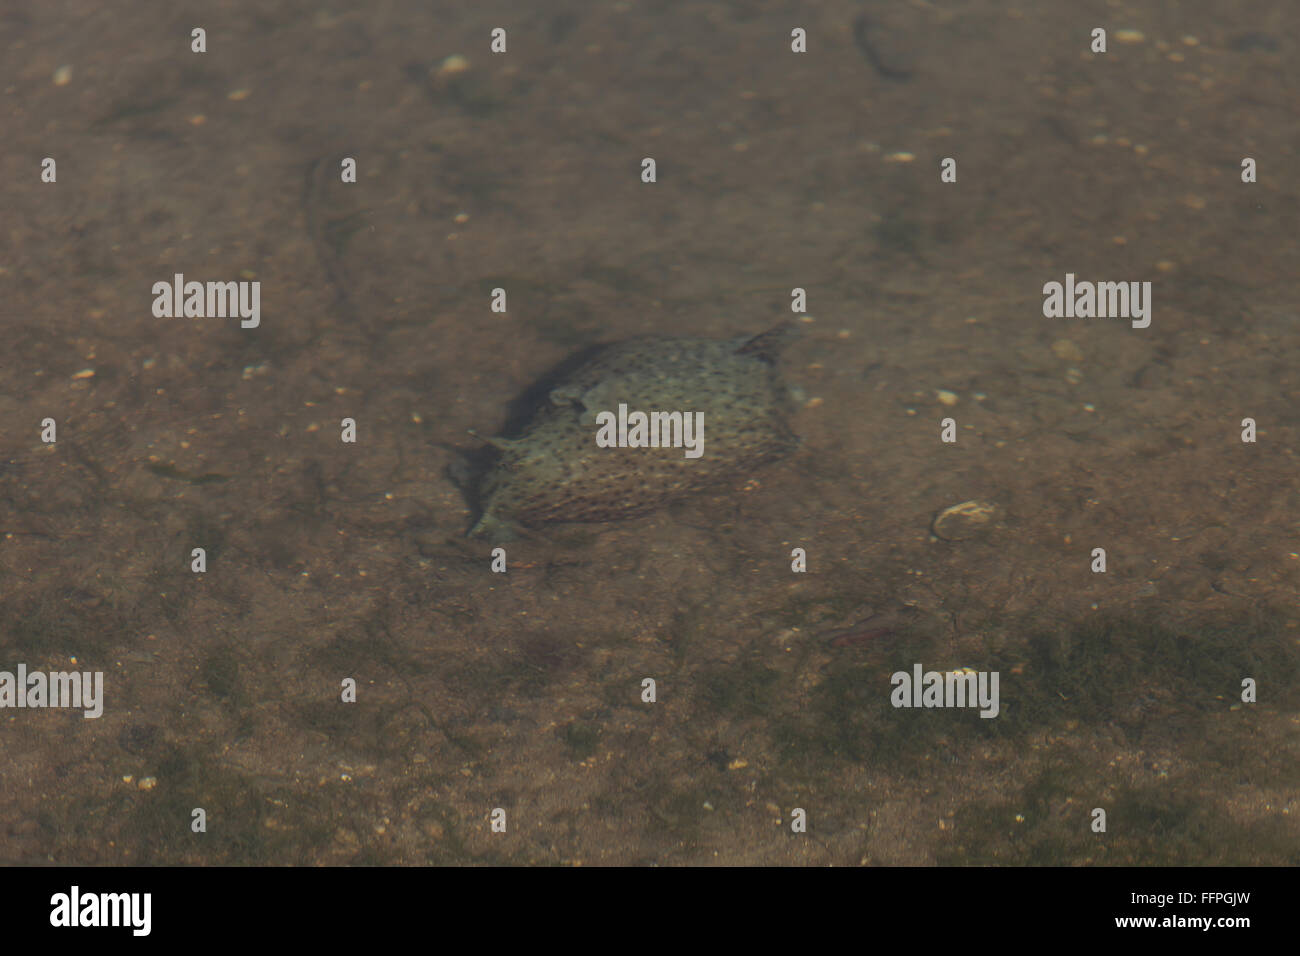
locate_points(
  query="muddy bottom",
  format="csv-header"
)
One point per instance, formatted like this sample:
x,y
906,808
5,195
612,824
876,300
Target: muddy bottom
x,y
328,563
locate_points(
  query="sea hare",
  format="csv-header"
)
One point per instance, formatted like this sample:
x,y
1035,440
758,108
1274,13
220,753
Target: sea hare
x,y
555,470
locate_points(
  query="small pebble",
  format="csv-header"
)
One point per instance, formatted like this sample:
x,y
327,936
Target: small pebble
x,y
449,69
1066,351
964,521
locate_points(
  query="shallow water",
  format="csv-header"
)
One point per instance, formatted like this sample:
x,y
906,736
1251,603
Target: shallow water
x,y
523,690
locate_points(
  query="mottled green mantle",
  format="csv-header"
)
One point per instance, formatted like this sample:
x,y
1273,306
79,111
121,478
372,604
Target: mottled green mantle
x,y
554,471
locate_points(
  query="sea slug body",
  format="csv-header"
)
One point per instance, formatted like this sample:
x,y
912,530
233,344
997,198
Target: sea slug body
x,y
554,470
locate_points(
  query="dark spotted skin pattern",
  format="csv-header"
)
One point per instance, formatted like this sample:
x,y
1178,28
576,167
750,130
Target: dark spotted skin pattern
x,y
554,471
